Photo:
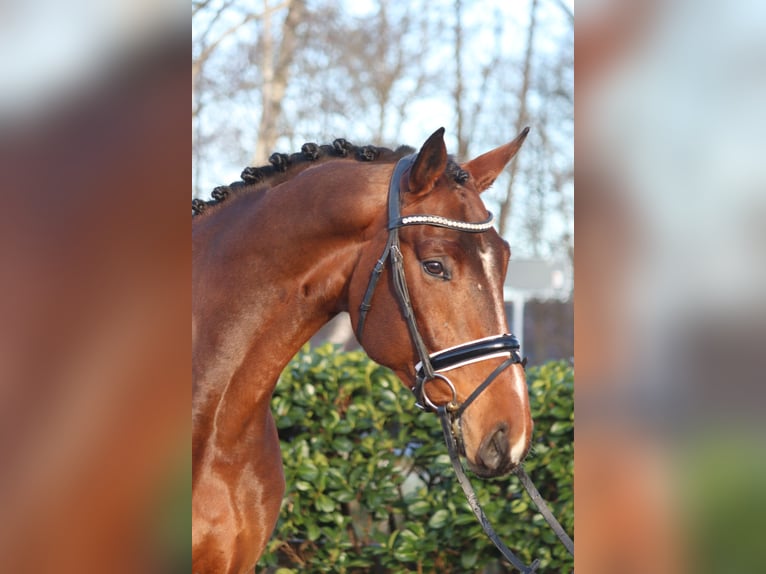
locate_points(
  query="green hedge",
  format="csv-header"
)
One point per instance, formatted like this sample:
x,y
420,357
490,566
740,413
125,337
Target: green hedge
x,y
370,487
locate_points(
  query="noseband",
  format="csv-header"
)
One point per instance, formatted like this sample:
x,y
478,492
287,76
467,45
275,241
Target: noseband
x,y
433,365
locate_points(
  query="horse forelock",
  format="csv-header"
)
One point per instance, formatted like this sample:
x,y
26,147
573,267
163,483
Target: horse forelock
x,y
456,173
282,167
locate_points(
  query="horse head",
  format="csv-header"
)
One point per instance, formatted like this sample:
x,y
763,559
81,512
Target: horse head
x,y
441,295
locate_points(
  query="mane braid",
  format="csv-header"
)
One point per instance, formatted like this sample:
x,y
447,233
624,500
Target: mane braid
x,y
283,166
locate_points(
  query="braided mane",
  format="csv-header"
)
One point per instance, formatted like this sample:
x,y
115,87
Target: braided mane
x,y
283,167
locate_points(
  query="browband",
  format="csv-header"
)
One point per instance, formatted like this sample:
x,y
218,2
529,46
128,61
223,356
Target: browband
x,y
439,221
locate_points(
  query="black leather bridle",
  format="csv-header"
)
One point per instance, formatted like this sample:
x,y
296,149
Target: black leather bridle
x,y
433,365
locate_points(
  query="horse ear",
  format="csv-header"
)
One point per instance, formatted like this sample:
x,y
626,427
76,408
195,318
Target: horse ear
x,y
430,163
485,168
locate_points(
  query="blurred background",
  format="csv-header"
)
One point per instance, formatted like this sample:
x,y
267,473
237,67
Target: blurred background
x,y
671,276
94,287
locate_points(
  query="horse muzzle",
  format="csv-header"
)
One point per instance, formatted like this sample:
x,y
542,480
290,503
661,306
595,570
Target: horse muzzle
x,y
495,455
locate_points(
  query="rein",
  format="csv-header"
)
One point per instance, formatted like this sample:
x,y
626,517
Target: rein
x,y
432,365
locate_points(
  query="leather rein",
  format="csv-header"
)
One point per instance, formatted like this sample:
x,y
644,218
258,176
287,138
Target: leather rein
x,y
433,365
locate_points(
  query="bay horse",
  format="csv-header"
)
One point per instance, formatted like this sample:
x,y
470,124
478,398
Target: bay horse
x,y
279,254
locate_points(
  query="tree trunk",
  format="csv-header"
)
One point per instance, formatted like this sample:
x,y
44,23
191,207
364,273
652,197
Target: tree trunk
x,y
462,140
275,69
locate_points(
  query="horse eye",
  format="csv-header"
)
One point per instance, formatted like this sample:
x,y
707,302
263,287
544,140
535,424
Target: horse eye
x,y
434,268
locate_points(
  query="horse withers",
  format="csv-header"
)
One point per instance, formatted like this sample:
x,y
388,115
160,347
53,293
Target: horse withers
x,y
297,242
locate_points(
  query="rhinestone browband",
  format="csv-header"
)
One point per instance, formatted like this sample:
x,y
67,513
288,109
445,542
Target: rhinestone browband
x,y
439,221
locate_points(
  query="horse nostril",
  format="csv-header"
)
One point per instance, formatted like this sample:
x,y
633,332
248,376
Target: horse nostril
x,y
494,452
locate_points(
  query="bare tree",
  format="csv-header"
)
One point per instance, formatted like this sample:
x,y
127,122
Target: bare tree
x,y
205,46
372,67
521,118
462,140
275,65
469,107
266,78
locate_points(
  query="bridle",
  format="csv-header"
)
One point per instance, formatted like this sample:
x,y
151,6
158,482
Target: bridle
x,y
432,366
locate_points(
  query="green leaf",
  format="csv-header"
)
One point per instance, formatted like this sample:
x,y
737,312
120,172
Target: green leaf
x,y
344,496
408,535
468,559
313,531
303,486
308,471
518,506
342,444
439,519
405,554
419,508
324,504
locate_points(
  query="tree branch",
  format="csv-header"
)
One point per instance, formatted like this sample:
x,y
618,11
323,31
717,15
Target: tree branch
x,y
505,206
566,10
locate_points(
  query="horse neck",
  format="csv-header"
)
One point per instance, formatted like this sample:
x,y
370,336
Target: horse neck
x,y
269,270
